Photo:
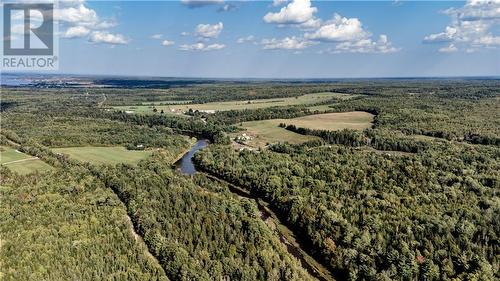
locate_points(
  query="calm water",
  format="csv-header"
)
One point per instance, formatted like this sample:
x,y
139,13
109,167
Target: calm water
x,y
185,164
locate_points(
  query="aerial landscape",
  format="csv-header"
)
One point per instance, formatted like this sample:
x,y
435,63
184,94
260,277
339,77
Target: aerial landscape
x,y
239,140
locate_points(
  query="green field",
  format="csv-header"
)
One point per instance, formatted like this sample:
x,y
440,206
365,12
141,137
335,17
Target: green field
x,y
166,102
237,105
104,155
20,162
8,154
356,120
265,132
268,131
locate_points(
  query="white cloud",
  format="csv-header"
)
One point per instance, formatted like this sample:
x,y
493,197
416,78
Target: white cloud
x,y
449,49
488,41
227,8
277,3
201,47
311,24
76,32
297,12
339,29
108,38
200,3
249,38
477,10
347,33
209,30
215,47
81,21
287,43
167,43
184,33
471,26
156,36
78,14
382,46
445,36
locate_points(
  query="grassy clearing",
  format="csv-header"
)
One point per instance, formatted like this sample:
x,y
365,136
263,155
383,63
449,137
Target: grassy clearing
x,y
323,107
8,154
268,131
167,102
427,138
21,163
104,155
356,120
29,166
265,132
147,109
236,105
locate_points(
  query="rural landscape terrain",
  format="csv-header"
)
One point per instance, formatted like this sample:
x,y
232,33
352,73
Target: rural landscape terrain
x,y
355,179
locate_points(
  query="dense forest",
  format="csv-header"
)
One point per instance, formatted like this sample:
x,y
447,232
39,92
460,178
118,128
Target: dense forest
x,y
414,197
67,225
370,216
197,233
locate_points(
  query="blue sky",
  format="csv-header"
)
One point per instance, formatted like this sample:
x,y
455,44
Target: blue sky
x,y
318,39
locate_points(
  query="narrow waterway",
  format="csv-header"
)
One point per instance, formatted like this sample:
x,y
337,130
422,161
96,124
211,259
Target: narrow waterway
x,y
186,166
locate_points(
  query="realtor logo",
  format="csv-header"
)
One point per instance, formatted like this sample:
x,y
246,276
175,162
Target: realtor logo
x,y
28,36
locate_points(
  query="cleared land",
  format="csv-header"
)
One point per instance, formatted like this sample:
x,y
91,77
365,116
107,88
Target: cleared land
x,y
20,162
268,131
166,102
8,154
265,132
356,120
237,105
104,155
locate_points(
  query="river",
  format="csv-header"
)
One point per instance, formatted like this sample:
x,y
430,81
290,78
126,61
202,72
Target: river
x,y
186,166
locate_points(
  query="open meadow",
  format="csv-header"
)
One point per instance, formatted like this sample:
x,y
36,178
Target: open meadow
x,y
263,132
20,162
104,155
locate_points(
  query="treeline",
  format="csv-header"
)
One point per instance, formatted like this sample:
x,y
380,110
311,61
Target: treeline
x,y
72,130
368,216
175,124
346,136
450,113
478,139
194,126
231,117
375,138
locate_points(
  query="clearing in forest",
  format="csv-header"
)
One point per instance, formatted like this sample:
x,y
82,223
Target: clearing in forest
x,y
20,162
213,107
104,155
268,131
355,120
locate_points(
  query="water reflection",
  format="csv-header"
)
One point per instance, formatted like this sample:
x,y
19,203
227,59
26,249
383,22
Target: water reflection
x,y
185,164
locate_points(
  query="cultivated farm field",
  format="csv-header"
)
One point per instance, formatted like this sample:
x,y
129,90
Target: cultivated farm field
x,y
104,155
235,105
